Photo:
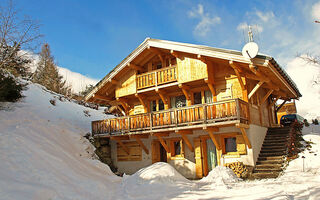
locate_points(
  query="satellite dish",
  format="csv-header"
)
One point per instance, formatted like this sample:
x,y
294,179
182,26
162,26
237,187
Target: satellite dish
x,y
250,50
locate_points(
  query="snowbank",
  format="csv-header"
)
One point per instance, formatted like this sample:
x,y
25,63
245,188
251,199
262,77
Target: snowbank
x,y
220,176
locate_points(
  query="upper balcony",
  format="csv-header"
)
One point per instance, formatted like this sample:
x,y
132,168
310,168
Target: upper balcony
x,y
157,77
226,112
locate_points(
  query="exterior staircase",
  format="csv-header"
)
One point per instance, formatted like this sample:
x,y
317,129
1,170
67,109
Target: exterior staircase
x,y
272,157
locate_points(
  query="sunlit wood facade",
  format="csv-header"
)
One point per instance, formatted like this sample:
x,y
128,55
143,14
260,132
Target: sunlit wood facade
x,y
192,106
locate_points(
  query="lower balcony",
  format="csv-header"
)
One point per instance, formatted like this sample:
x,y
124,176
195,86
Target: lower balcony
x,y
197,116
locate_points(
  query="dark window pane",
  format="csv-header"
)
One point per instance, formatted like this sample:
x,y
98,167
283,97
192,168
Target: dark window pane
x,y
197,98
153,105
177,148
161,105
231,145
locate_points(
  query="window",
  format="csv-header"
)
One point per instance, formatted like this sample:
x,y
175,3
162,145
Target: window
x,y
180,101
230,144
159,65
176,148
208,96
197,97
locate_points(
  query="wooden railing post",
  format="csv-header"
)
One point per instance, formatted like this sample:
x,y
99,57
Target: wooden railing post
x,y
129,123
156,78
238,109
176,116
205,114
151,121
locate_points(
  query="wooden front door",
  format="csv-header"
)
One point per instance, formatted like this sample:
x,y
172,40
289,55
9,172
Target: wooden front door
x,y
211,155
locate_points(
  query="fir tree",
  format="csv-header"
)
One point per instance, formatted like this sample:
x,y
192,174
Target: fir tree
x,y
306,123
47,73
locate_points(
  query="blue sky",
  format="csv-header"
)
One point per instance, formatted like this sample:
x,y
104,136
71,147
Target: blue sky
x,y
92,37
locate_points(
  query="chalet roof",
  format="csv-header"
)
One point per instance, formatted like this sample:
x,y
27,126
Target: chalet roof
x,y
193,49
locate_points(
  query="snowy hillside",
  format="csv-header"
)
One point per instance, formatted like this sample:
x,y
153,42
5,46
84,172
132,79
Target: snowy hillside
x,y
44,156
77,81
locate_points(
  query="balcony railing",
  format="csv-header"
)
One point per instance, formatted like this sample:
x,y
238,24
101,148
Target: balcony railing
x,y
203,114
157,77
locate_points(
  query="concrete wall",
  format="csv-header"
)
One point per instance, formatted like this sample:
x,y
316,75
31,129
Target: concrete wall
x,y
187,165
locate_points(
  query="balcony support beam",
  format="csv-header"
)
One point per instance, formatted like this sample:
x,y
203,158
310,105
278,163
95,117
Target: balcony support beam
x,y
214,138
141,98
255,89
185,138
162,142
138,139
119,141
266,96
124,104
103,98
186,91
163,98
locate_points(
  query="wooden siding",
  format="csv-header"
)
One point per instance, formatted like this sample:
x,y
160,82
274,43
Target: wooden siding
x,y
191,70
135,152
127,85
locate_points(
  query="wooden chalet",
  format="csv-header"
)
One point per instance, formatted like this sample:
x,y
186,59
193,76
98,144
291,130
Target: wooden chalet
x,y
193,106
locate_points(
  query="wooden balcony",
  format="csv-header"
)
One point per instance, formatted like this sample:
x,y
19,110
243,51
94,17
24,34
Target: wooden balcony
x,y
157,77
197,116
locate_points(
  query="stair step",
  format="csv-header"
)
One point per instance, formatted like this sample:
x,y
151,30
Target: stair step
x,y
276,137
272,151
274,144
272,154
269,166
267,162
265,170
274,158
265,175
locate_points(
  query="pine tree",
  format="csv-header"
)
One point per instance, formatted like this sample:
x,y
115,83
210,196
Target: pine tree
x,y
306,123
47,73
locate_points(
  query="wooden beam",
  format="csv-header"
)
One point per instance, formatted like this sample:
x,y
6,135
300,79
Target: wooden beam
x,y
278,108
141,98
124,105
121,110
96,96
160,134
186,132
161,94
144,136
186,91
241,125
245,137
135,67
163,143
255,89
214,139
213,129
113,81
176,54
123,147
120,137
142,145
266,96
186,140
237,71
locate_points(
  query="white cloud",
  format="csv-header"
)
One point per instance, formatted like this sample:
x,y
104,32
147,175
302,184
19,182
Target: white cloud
x,y
265,17
316,11
304,74
206,22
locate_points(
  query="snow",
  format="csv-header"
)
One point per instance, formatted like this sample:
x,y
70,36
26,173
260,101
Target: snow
x,y
44,156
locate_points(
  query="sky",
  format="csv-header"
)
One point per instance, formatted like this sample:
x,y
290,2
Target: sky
x,y
92,37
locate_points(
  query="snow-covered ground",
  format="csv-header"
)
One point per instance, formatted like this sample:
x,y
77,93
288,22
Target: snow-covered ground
x,y
44,156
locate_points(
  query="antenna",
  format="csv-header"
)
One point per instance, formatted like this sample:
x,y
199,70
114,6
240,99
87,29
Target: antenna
x,y
250,34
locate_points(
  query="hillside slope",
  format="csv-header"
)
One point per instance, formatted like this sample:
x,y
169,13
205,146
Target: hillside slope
x,y
43,154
